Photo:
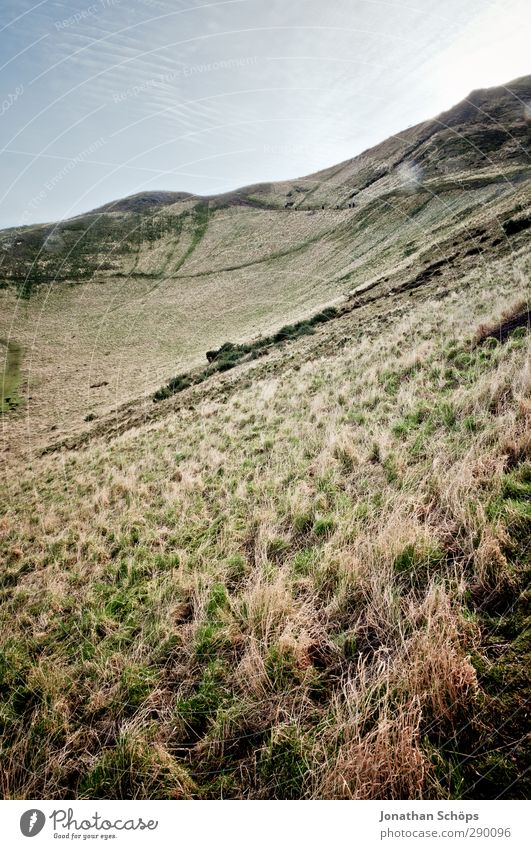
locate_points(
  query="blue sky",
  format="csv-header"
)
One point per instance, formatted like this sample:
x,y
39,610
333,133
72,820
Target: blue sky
x,y
106,98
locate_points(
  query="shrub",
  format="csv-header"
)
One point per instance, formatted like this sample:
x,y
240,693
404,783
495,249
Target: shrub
x,y
229,354
176,384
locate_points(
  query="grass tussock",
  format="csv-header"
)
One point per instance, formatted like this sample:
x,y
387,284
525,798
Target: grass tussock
x,y
310,587
515,319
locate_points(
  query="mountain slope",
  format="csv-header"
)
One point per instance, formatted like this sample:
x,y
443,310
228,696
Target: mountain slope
x,y
303,578
304,571
116,301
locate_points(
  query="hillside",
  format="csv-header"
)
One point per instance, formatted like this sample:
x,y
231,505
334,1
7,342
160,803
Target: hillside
x,y
113,303
298,568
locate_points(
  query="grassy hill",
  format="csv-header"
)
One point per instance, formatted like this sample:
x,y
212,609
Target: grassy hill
x,y
304,575
113,303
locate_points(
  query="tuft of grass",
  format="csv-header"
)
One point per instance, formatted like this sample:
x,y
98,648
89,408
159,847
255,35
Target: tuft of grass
x,y
283,765
323,526
136,769
417,561
194,712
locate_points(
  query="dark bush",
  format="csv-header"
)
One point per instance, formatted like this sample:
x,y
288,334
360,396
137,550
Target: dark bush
x,y
229,354
176,384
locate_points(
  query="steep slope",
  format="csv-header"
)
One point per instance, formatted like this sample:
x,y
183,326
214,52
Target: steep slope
x,y
109,305
304,571
303,578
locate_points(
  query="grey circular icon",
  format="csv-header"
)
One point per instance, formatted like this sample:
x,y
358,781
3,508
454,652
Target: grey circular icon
x,y
32,822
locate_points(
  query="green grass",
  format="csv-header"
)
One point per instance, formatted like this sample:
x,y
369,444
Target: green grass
x,y
284,588
200,217
283,764
136,769
10,376
222,580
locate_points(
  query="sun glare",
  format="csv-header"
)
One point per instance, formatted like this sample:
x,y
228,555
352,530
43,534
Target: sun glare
x,y
491,51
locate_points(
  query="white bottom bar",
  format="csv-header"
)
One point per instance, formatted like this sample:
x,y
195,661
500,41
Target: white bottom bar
x,y
241,825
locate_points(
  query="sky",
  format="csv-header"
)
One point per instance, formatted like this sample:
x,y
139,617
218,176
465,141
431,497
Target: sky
x,y
100,99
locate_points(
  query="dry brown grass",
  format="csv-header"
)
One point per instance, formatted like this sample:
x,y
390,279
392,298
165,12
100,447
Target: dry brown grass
x,y
277,594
